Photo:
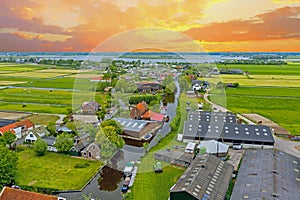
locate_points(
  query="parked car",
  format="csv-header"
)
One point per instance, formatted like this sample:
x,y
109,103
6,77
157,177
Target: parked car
x,y
237,147
128,168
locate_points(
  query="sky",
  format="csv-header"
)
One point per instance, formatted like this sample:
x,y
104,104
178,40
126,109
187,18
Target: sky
x,y
215,25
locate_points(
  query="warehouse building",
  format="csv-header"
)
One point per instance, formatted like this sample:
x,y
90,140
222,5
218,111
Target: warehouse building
x,y
267,174
207,177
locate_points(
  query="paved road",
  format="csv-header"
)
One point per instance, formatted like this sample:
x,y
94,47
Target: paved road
x,y
280,143
287,146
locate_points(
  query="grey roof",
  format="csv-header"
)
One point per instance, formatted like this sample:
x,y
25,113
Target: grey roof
x,y
49,140
132,124
207,177
82,137
226,117
4,122
213,146
63,129
264,173
80,146
227,131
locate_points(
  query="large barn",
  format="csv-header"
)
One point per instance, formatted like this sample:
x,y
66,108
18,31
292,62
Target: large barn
x,y
197,128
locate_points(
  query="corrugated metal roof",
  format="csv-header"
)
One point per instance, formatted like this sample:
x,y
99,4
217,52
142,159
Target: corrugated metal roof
x,y
132,124
206,177
229,131
264,173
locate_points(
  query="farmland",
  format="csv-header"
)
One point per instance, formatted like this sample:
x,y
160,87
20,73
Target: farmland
x,y
272,91
43,88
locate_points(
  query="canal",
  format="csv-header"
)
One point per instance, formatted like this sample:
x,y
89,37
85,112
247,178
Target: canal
x,y
109,188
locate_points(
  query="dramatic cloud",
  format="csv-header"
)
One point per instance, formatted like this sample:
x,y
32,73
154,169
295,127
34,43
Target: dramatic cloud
x,y
80,25
278,24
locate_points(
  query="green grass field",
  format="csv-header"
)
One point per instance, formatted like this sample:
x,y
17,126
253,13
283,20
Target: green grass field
x,y
289,69
152,186
42,119
280,104
56,171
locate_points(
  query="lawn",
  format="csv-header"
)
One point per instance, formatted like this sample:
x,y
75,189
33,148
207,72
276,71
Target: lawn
x,y
55,171
152,186
42,119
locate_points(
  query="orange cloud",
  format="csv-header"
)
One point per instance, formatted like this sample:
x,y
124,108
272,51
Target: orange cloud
x,y
80,25
278,24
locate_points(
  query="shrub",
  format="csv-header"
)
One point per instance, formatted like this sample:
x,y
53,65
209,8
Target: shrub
x,y
82,165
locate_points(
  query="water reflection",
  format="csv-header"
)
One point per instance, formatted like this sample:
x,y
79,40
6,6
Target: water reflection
x,y
109,178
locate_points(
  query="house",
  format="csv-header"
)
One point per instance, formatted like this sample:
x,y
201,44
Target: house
x,y
92,151
33,135
174,157
148,86
8,193
267,174
50,140
90,107
138,110
18,128
81,138
77,148
138,128
141,111
215,148
207,177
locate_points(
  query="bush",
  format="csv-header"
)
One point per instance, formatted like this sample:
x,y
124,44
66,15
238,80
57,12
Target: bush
x,y
81,165
40,147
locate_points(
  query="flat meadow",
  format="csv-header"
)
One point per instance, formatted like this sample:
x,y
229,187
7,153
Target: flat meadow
x,y
271,91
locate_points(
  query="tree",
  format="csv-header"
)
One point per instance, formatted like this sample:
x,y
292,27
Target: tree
x,y
170,89
63,142
107,148
184,84
112,135
168,79
51,128
40,147
8,138
8,163
113,123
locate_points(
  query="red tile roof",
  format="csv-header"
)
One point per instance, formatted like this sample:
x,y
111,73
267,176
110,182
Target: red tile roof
x,y
10,127
153,116
15,194
143,107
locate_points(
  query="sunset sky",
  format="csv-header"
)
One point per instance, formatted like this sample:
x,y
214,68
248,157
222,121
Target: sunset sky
x,y
216,25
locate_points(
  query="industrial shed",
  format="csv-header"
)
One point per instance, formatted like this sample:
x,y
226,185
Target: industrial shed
x,y
207,177
267,174
250,136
